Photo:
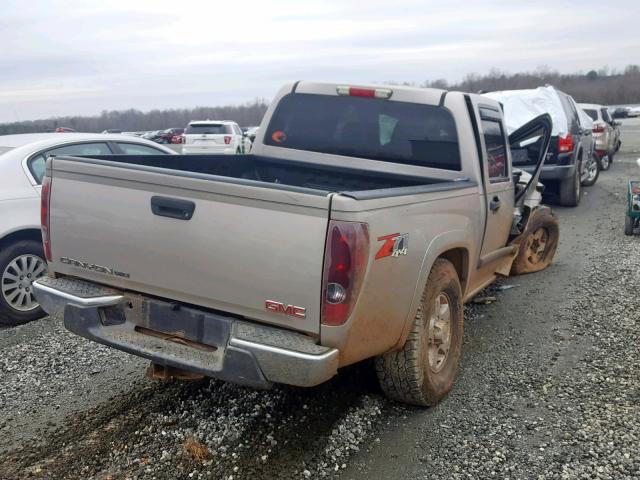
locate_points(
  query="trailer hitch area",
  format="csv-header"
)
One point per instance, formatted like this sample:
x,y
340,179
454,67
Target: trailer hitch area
x,y
166,373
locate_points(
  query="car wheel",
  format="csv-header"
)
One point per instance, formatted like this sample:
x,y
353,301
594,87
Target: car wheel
x,y
605,162
629,225
593,171
423,371
20,264
537,244
570,189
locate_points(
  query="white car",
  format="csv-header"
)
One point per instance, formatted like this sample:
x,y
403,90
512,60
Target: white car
x,y
215,136
22,166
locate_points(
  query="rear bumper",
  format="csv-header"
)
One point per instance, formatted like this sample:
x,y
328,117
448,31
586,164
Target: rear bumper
x,y
187,338
209,149
553,172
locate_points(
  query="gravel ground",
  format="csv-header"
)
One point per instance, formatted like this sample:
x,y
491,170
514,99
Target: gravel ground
x,y
548,388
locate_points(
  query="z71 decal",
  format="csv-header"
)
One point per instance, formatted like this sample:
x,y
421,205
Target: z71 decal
x,y
394,245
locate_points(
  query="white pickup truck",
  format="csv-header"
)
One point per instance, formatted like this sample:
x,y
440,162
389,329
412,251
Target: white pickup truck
x,y
363,220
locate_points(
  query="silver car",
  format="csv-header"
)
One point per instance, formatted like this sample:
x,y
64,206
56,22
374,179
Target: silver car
x,y
606,133
22,165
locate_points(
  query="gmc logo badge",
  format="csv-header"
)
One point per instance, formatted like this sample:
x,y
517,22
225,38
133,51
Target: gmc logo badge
x,y
279,307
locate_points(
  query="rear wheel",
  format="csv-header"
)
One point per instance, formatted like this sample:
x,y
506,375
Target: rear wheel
x,y
629,224
423,371
605,162
20,264
570,189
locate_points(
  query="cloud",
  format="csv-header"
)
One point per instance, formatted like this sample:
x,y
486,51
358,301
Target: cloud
x,y
76,57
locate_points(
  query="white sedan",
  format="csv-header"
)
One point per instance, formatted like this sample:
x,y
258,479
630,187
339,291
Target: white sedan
x,y
22,166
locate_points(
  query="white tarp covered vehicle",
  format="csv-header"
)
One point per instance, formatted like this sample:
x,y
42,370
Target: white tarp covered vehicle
x,y
522,106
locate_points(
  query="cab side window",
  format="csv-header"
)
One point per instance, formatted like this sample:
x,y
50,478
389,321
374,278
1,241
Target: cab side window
x,y
496,149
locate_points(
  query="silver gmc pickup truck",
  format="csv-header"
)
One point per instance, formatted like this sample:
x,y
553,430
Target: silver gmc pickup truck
x,y
362,221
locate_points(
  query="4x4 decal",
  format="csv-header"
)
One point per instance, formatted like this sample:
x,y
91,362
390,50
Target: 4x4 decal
x,y
394,245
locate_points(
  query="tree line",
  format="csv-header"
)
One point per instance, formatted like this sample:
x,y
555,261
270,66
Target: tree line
x,y
135,120
604,86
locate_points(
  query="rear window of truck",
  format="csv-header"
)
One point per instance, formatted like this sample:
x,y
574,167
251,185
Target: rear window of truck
x,y
207,128
398,132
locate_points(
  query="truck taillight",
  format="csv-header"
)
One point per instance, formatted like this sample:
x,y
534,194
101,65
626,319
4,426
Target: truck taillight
x,y
345,263
565,144
598,129
45,198
383,93
227,139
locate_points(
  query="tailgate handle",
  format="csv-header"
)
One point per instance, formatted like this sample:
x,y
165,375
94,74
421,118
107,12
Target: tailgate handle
x,y
172,207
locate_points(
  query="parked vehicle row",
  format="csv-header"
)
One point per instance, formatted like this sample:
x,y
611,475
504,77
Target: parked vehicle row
x,y
22,168
360,224
578,151
626,112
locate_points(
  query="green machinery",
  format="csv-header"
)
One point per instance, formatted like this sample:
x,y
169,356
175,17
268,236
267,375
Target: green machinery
x,y
632,217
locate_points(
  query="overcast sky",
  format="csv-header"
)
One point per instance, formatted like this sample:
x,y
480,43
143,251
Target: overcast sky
x,y
74,57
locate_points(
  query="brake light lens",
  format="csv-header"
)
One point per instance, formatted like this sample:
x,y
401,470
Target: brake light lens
x,y
345,263
598,129
565,144
384,93
227,139
45,198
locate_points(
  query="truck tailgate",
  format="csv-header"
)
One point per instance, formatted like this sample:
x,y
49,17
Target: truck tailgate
x,y
243,245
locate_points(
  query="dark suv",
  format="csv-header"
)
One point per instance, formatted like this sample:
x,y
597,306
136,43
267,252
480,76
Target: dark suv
x,y
570,161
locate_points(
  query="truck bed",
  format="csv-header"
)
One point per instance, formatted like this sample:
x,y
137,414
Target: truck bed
x,y
278,173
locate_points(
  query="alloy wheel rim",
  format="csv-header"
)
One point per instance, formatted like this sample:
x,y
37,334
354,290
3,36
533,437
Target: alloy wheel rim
x,y
593,170
17,279
537,245
605,162
439,332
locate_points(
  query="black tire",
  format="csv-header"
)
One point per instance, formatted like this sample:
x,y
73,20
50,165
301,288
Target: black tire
x,y
590,181
629,224
605,162
8,314
406,375
535,255
570,190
